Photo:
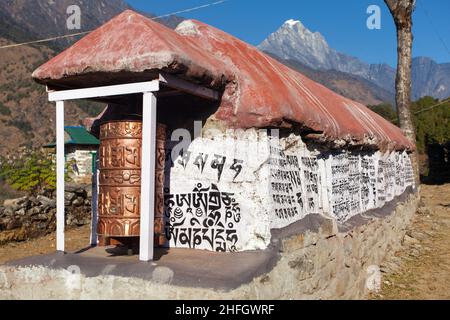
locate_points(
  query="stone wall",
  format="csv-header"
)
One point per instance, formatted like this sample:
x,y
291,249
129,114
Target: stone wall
x,y
34,216
325,262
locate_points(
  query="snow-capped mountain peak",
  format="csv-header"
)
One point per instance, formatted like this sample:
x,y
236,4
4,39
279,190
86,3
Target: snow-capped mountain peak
x,y
293,41
291,23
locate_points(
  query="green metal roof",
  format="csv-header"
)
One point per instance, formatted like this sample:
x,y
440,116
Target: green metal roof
x,y
78,136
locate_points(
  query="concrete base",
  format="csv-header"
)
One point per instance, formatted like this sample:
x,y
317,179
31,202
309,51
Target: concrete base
x,y
180,267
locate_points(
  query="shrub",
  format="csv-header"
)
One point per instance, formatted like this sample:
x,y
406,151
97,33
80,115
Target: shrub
x,y
33,171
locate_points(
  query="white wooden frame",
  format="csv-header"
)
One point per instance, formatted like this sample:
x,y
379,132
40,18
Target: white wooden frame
x,y
148,89
148,157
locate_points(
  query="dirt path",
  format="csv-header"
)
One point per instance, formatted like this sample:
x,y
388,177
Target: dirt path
x,y
421,270
76,239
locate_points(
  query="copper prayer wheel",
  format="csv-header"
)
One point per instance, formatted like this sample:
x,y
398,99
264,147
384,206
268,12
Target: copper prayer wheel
x,y
120,181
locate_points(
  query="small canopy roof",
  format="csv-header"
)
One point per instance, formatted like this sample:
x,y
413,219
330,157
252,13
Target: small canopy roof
x,y
77,136
258,91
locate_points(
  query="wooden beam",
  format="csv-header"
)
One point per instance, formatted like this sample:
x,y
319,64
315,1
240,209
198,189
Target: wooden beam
x,y
146,249
188,87
60,175
108,91
171,93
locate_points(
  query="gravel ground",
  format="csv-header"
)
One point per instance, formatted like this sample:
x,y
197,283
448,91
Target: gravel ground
x,y
421,270
76,239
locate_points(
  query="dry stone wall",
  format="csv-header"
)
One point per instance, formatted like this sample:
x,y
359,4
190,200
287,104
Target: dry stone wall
x,y
34,216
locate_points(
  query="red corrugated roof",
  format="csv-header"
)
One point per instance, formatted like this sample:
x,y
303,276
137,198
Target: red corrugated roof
x,y
259,91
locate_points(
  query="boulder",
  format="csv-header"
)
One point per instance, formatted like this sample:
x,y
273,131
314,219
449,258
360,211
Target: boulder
x,y
44,200
78,202
70,196
14,202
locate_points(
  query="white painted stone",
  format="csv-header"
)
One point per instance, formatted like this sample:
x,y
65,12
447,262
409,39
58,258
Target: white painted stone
x,y
228,190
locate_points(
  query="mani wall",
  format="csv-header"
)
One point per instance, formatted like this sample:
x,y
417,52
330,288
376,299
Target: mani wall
x,y
81,158
229,190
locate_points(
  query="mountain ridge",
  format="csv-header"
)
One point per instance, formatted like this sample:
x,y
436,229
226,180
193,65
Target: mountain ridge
x,y
293,41
26,115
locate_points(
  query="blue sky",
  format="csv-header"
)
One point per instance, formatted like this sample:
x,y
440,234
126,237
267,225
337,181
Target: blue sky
x,y
343,23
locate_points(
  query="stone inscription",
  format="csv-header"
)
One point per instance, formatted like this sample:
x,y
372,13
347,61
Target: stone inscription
x,y
206,218
203,161
360,182
294,184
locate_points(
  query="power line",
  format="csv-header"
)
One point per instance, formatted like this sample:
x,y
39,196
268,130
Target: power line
x,y
45,40
433,27
86,32
192,9
432,107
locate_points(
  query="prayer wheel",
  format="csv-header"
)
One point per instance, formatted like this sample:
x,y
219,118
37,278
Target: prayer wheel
x,y
120,182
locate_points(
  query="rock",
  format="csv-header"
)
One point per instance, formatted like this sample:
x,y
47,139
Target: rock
x,y
25,203
51,213
8,211
414,253
40,217
34,211
21,212
77,190
33,201
4,223
390,267
78,202
14,224
416,235
409,241
14,202
44,200
423,211
69,196
51,205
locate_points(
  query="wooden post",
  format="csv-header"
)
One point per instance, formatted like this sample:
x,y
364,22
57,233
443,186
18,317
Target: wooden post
x,y
146,249
60,174
95,182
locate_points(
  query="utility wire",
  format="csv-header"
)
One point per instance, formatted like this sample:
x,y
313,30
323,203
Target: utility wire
x,y
45,40
86,32
192,9
433,27
432,107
